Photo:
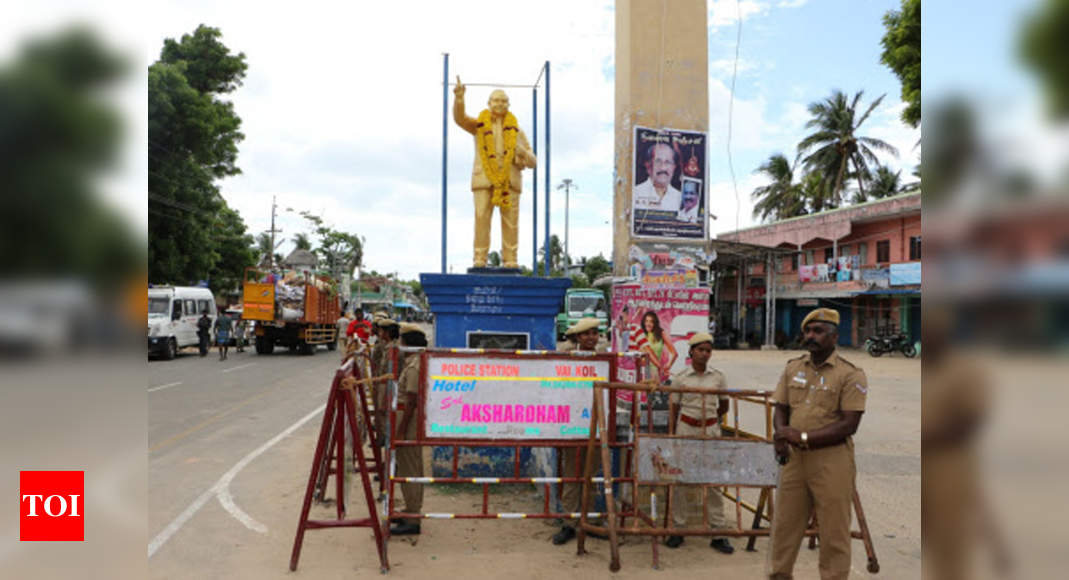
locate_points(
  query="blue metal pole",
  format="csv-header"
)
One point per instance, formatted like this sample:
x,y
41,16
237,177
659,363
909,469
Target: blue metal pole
x,y
445,144
545,254
534,190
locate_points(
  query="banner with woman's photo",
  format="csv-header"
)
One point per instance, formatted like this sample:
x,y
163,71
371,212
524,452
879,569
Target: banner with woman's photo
x,y
668,198
657,322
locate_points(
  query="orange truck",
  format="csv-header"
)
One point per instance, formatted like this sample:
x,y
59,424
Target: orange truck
x,y
299,311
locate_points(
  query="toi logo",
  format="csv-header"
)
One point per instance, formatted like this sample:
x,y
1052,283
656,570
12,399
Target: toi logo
x,y
51,506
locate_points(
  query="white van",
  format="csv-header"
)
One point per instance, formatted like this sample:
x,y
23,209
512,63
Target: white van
x,y
172,317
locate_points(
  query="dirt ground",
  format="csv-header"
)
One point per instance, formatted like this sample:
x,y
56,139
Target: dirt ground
x,y
888,459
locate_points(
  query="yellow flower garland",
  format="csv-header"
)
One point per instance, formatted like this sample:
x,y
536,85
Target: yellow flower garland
x,y
498,174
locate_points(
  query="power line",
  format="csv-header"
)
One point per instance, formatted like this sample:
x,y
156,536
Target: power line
x,y
731,108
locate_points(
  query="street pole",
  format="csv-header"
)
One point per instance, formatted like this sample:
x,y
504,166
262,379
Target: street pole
x,y
567,185
271,253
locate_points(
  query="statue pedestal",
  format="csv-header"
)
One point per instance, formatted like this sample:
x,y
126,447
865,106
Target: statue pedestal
x,y
493,311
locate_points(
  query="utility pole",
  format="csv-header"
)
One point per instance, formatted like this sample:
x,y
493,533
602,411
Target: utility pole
x,y
271,253
567,186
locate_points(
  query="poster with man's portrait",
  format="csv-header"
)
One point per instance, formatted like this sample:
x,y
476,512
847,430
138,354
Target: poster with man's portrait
x,y
668,197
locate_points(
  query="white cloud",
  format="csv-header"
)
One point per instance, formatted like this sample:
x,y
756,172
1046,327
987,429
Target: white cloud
x,y
791,3
727,12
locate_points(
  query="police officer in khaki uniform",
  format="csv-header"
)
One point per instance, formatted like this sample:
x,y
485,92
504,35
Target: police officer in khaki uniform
x,y
409,458
382,364
698,416
583,336
819,401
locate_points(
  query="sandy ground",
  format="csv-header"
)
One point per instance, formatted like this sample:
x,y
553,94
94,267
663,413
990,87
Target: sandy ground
x,y
272,487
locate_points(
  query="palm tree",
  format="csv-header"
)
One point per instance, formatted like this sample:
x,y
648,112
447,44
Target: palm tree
x,y
301,241
782,198
556,253
885,183
836,143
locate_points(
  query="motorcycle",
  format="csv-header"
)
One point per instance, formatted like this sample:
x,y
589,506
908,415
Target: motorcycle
x,y
877,345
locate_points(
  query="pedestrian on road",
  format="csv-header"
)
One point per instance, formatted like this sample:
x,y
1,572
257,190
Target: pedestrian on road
x,y
223,327
239,334
204,328
359,329
583,336
410,458
819,402
343,324
694,414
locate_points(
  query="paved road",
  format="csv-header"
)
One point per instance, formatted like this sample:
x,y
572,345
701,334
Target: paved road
x,y
231,445
205,416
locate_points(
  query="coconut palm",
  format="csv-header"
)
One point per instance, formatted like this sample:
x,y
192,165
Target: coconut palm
x,y
301,241
885,183
835,145
782,198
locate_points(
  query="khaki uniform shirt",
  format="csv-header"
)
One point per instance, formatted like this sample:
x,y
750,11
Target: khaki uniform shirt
x,y
817,396
690,404
382,361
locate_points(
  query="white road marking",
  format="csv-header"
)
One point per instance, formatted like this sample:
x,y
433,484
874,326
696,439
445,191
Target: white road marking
x,y
167,386
238,367
220,489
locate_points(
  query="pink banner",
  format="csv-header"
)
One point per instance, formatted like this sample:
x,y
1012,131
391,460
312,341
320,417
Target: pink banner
x,y
658,322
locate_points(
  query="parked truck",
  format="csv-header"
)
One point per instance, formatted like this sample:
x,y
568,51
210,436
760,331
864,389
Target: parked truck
x,y
582,303
292,309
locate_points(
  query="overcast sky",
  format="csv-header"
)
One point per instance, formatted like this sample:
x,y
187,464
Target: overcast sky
x,y
342,108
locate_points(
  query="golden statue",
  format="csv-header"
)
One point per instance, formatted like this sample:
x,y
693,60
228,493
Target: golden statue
x,y
501,154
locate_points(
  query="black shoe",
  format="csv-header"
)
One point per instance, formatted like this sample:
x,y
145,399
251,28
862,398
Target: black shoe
x,y
722,545
565,534
674,541
404,529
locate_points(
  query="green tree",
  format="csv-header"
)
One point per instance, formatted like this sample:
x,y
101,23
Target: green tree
x,y
233,251
57,135
902,54
1043,45
556,256
301,241
782,197
193,142
596,267
339,252
835,144
885,183
493,259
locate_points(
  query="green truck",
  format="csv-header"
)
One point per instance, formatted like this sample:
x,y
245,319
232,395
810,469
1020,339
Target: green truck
x,y
582,303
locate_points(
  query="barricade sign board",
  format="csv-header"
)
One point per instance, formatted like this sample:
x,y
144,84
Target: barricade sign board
x,y
706,461
492,396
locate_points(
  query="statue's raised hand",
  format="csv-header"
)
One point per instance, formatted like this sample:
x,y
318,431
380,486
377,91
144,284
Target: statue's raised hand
x,y
458,90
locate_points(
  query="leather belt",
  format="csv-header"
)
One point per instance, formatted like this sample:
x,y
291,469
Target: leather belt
x,y
698,422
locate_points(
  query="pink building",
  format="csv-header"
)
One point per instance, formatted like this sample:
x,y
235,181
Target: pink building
x,y
862,260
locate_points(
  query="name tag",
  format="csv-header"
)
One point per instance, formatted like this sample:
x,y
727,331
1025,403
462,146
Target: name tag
x,y
799,380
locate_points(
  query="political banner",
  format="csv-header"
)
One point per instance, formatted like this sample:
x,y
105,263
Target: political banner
x,y
668,194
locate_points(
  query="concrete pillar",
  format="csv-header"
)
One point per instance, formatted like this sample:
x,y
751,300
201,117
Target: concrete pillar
x,y
662,81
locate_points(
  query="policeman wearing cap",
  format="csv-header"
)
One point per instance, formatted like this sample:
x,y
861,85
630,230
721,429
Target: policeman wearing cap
x,y
583,336
387,332
819,401
695,414
409,458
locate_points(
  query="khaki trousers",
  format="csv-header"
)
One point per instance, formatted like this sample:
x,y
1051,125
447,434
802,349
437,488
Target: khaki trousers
x,y
687,499
410,464
510,219
572,462
820,480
